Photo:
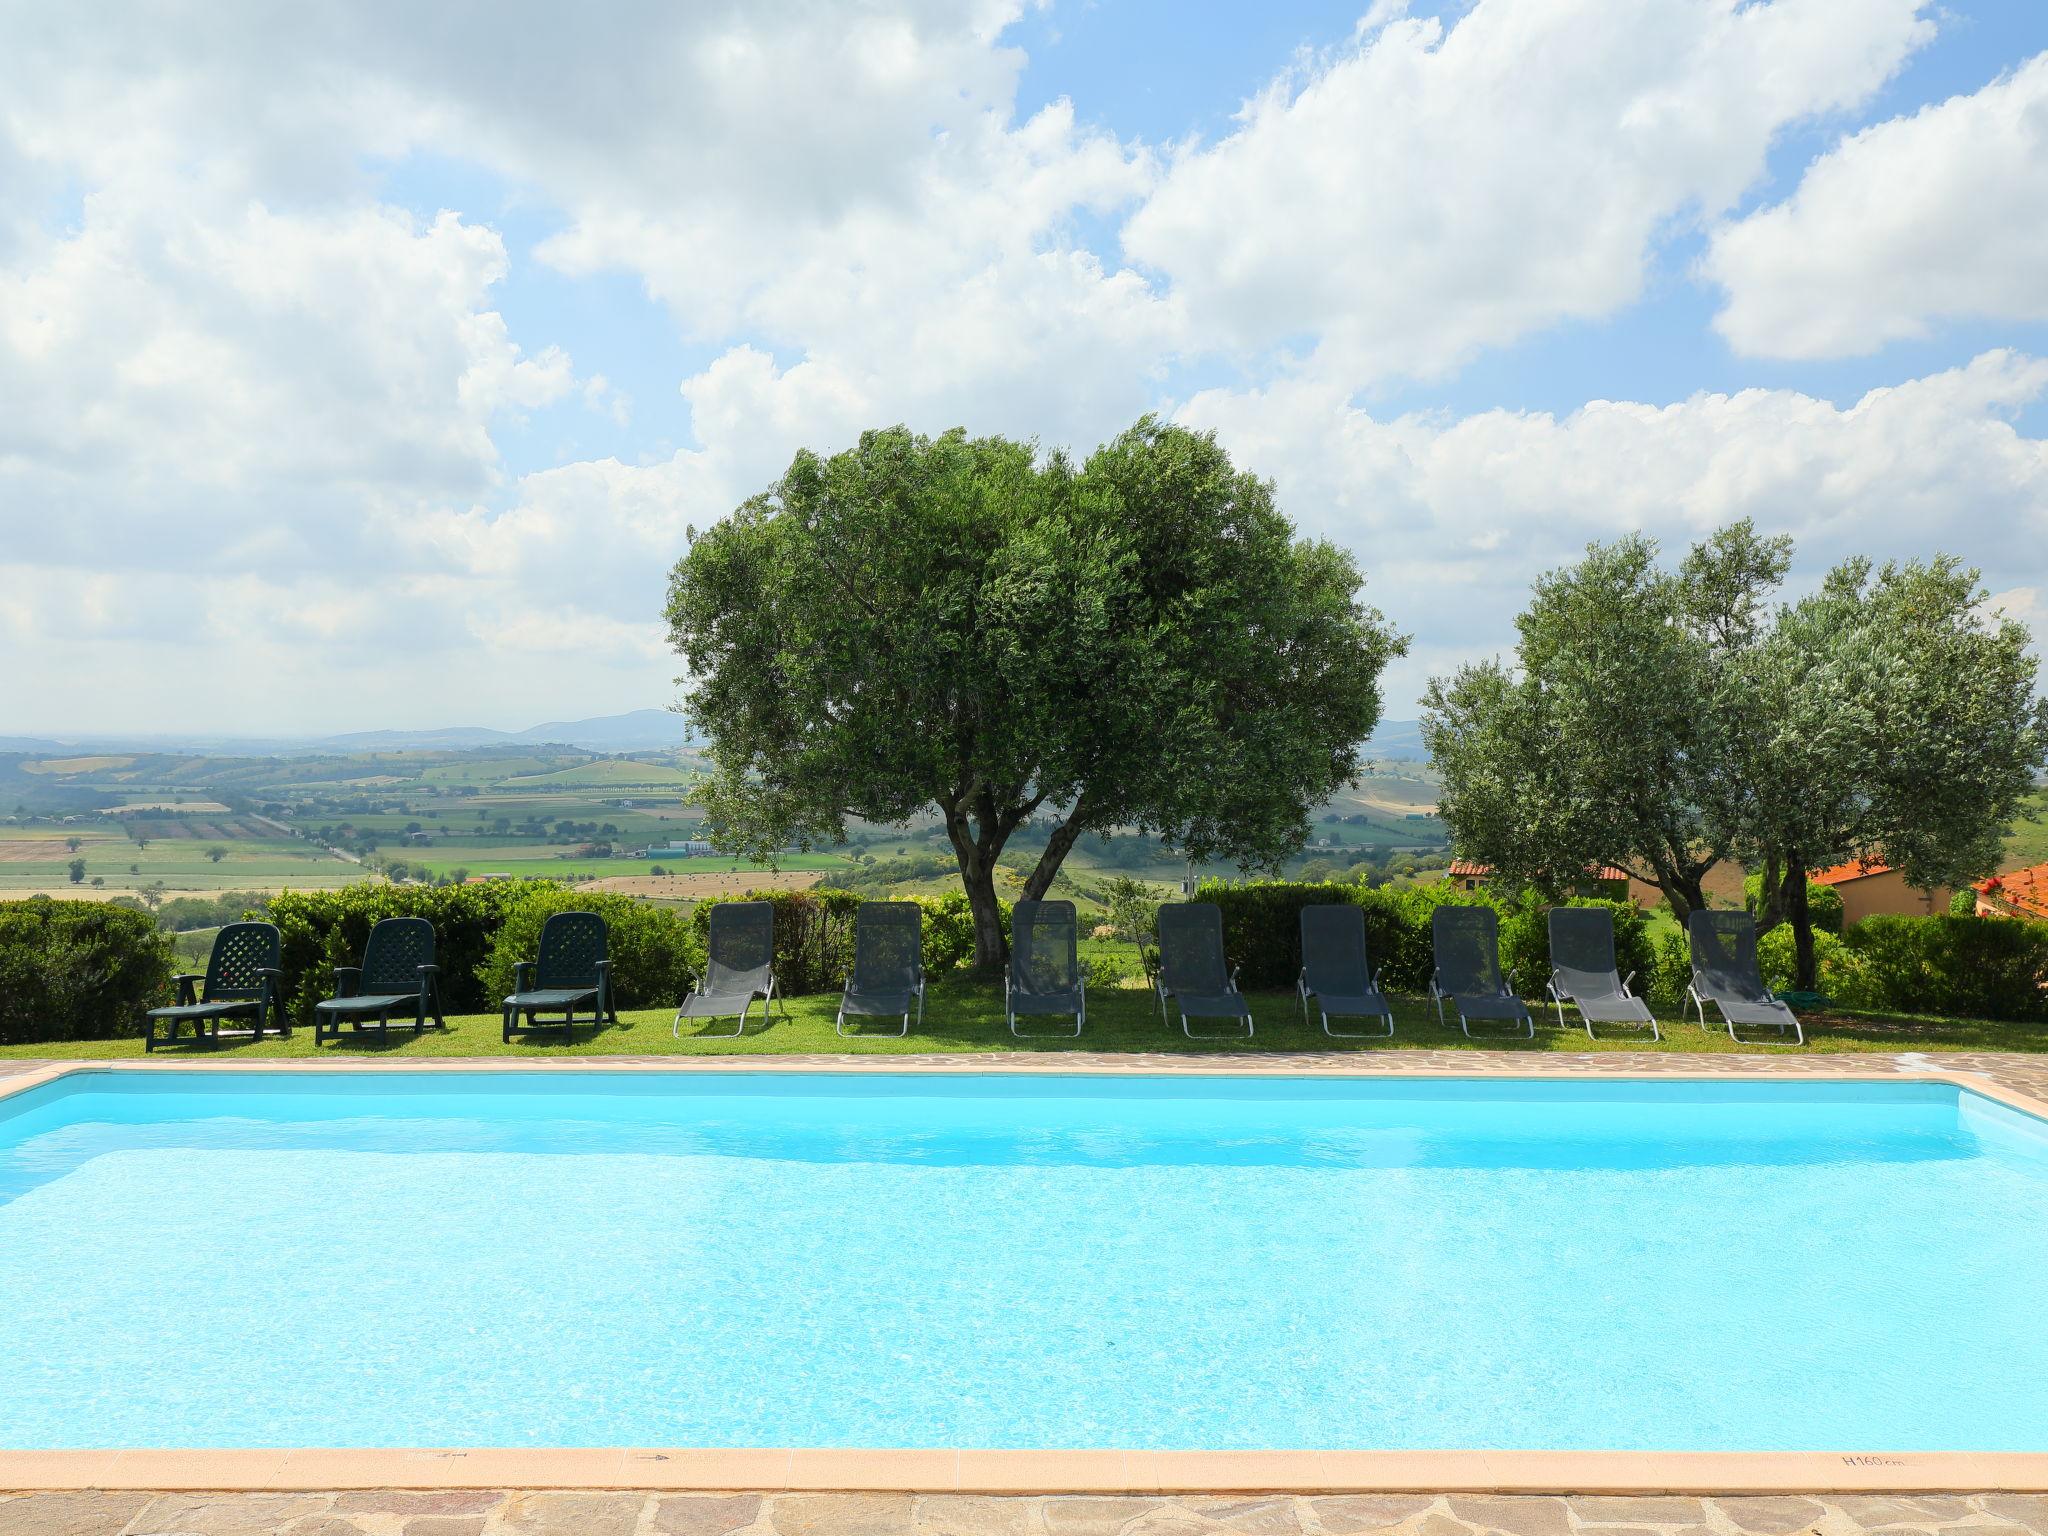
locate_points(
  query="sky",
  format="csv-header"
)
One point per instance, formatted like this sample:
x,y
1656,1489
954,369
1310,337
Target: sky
x,y
368,366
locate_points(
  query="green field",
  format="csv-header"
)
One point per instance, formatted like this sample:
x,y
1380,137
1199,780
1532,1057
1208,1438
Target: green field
x,y
965,1016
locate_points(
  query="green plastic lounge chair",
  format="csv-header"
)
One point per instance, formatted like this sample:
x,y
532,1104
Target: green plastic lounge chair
x,y
1583,972
739,966
1725,973
1467,945
1336,971
1045,963
573,972
242,980
1192,968
398,975
888,964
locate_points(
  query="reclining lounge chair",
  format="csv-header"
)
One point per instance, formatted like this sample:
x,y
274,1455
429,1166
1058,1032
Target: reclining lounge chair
x,y
739,966
398,975
1336,971
888,964
242,980
573,971
1045,963
1725,973
1583,972
1467,945
1192,969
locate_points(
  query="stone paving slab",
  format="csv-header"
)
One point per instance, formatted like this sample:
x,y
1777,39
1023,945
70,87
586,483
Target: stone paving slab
x,y
480,1512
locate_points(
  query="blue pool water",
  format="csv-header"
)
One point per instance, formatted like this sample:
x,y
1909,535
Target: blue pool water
x,y
774,1259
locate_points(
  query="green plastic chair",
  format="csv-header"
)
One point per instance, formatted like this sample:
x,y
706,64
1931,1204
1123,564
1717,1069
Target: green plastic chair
x,y
398,973
574,971
242,980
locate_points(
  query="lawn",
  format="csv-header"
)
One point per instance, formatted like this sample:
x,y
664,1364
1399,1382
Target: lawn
x,y
965,1016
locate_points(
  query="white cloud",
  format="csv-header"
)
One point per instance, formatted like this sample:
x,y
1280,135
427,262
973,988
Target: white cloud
x,y
1452,518
1939,215
1435,189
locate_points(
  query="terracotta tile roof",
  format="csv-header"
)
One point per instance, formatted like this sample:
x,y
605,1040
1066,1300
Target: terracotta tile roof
x,y
2024,892
1857,869
1462,869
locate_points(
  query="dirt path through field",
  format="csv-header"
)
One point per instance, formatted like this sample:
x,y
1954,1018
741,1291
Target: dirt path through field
x,y
699,887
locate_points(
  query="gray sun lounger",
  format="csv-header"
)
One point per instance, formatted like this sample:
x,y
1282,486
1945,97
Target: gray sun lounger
x,y
1725,973
242,981
1583,972
398,975
1336,971
574,970
739,966
1045,963
1467,945
887,979
1192,969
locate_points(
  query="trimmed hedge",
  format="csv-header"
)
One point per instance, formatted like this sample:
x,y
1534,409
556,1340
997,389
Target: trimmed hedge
x,y
1262,930
78,970
1964,967
325,929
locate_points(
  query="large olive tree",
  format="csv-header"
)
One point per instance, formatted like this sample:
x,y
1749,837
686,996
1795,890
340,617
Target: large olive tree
x,y
951,623
1662,720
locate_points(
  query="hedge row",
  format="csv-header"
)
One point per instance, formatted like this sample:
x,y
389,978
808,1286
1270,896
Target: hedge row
x,y
78,970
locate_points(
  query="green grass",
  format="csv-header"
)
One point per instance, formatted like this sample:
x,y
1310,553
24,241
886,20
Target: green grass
x,y
965,1016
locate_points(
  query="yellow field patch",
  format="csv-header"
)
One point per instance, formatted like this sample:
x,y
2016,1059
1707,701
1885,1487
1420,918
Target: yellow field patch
x,y
703,887
75,764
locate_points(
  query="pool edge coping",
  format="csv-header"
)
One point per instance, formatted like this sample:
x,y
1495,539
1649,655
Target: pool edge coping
x,y
896,1470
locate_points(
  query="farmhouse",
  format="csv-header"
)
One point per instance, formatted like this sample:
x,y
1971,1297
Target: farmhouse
x,y
1868,888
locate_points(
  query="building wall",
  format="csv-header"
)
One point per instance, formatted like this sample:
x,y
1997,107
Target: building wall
x,y
1889,894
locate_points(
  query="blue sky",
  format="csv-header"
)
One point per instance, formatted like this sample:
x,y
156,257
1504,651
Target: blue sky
x,y
389,335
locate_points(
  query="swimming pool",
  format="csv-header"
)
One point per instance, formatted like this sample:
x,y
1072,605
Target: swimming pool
x,y
194,1259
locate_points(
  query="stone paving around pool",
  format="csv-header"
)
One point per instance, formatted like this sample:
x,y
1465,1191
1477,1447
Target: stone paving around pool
x,y
504,1513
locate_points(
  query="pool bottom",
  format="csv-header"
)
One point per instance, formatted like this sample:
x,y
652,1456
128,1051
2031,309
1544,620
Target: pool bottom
x,y
983,1471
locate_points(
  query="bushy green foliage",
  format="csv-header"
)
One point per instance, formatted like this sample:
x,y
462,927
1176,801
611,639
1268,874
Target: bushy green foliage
x,y
649,946
1823,903
1838,970
1963,903
78,970
325,929
1965,967
1262,930
1663,985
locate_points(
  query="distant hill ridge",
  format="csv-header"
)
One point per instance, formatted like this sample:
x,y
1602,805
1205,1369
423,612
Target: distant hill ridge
x,y
639,730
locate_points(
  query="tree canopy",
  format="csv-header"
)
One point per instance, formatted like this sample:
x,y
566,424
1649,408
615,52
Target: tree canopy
x,y
1138,642
1663,720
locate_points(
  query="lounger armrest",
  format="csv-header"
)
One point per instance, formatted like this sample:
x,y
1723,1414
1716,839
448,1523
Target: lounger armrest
x,y
186,993
1233,976
348,980
522,972
1508,986
1631,976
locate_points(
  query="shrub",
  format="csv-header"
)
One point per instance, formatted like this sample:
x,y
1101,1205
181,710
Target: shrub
x,y
1838,970
325,929
1963,903
1966,967
1663,984
78,970
1823,903
650,947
